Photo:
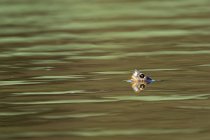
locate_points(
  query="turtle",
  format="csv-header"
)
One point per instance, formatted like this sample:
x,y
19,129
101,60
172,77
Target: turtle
x,y
139,80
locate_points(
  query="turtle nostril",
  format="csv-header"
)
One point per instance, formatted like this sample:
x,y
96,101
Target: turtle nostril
x,y
141,75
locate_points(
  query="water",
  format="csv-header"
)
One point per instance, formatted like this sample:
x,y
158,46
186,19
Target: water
x,y
64,65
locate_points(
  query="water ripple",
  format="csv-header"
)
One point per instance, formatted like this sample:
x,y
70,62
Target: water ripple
x,y
59,77
160,98
135,132
135,54
204,65
81,115
104,132
53,92
156,53
78,101
110,72
16,113
8,83
162,69
195,107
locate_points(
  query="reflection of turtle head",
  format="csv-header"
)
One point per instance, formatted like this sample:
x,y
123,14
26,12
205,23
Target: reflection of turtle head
x,y
138,86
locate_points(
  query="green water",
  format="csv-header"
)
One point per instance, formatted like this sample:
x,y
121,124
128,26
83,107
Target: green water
x,y
63,66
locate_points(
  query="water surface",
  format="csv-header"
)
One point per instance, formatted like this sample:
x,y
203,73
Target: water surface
x,y
64,65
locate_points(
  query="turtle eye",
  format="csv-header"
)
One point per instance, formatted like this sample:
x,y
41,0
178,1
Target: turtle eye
x,y
142,75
